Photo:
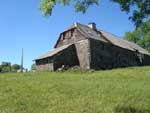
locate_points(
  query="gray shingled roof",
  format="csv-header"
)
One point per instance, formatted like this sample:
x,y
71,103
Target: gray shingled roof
x,y
90,33
101,36
53,52
110,38
123,43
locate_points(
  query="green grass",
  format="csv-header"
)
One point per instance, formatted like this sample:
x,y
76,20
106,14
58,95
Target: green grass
x,y
112,91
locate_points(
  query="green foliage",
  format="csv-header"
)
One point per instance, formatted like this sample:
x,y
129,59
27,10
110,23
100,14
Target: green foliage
x,y
140,36
83,5
6,67
80,5
0,69
113,91
33,67
140,9
15,67
47,6
132,36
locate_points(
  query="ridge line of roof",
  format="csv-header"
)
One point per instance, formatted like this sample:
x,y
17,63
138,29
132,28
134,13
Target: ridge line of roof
x,y
129,45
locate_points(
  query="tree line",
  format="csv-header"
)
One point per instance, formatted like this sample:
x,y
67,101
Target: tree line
x,y
140,36
8,67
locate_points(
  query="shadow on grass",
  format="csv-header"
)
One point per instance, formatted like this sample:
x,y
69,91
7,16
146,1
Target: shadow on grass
x,y
125,109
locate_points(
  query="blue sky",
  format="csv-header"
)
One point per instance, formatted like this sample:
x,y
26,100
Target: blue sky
x,y
23,26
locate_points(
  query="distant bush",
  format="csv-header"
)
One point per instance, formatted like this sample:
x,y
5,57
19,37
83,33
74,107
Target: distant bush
x,y
15,67
33,67
0,69
7,67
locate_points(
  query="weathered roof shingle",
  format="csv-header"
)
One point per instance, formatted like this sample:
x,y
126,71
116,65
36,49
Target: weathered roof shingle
x,y
101,36
110,38
53,52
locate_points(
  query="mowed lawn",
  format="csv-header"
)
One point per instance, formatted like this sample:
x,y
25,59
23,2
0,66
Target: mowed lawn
x,y
125,90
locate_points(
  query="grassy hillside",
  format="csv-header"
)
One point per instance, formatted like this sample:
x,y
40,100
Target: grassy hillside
x,y
113,91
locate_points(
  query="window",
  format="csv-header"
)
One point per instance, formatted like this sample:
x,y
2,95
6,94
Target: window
x,y
72,31
67,35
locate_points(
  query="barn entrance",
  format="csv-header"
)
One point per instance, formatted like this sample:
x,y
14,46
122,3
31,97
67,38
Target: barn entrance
x,y
66,58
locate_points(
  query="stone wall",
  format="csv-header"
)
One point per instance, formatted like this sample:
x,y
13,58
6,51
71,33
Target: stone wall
x,y
45,64
93,54
146,60
67,58
107,56
45,67
100,55
83,52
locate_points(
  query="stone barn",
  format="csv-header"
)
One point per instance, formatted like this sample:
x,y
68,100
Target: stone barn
x,y
89,48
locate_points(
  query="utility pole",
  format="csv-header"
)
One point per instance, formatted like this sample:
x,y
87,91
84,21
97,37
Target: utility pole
x,y
22,61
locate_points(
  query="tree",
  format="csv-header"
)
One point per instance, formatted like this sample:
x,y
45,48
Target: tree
x,y
15,67
6,67
0,69
33,67
80,5
140,9
141,35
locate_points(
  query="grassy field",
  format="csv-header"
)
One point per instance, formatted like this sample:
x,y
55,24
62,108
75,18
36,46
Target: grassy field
x,y
112,91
